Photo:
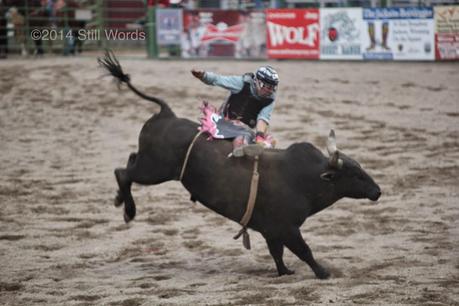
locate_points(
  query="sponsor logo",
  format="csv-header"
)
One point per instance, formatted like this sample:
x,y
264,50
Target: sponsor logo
x,y
280,34
343,24
398,13
332,34
221,31
427,47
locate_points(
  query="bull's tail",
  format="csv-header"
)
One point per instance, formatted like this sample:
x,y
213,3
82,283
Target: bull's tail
x,y
110,62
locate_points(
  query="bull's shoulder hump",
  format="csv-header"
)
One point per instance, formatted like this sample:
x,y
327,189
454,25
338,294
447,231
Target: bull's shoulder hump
x,y
306,146
305,149
273,154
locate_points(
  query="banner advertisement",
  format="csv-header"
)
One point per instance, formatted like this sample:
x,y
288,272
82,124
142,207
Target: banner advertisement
x,y
293,33
169,26
217,33
447,32
341,32
399,34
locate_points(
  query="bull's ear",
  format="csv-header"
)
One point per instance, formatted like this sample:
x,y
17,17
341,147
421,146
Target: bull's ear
x,y
328,175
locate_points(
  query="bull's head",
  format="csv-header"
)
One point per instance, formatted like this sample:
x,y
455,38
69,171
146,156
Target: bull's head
x,y
347,175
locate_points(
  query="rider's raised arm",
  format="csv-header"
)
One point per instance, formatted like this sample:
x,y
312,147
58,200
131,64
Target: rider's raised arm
x,y
233,83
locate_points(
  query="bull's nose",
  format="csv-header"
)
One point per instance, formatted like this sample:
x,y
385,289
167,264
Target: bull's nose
x,y
375,196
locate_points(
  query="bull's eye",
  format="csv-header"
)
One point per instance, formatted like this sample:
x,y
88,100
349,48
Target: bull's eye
x,y
327,176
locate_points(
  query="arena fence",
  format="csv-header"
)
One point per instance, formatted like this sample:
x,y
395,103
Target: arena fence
x,y
327,30
78,26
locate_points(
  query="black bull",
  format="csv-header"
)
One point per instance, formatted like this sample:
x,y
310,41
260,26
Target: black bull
x,y
294,183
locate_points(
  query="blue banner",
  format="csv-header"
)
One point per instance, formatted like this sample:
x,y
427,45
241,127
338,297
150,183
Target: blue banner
x,y
398,13
169,26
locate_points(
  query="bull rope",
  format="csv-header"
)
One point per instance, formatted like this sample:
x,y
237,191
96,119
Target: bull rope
x,y
188,154
250,206
252,194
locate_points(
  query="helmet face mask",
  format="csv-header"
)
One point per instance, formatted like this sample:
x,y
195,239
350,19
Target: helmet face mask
x,y
266,79
265,89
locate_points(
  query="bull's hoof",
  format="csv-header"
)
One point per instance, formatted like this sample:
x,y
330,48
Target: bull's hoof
x,y
286,272
127,219
118,199
322,273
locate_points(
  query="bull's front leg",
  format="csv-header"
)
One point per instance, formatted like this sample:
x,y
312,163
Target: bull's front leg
x,y
276,248
295,242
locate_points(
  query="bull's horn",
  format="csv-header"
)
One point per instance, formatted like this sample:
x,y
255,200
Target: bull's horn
x,y
333,152
331,143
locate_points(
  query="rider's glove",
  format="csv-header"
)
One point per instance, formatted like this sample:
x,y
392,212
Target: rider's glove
x,y
260,138
198,73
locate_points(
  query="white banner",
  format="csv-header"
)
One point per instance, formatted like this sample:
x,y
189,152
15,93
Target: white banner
x,y
399,34
341,32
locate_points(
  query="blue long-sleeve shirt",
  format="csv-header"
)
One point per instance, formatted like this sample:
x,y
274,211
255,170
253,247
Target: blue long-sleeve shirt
x,y
235,84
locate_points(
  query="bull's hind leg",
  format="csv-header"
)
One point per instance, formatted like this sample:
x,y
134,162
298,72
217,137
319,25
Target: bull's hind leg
x,y
141,170
276,248
295,242
119,200
124,192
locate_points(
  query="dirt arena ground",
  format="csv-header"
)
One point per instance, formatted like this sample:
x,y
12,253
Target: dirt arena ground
x,y
64,128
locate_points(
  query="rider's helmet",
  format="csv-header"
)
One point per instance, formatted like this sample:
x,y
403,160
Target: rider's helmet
x,y
267,78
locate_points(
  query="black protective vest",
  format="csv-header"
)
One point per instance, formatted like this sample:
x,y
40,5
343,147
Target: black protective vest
x,y
244,106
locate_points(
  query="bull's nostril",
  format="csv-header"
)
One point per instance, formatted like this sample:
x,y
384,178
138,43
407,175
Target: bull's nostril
x,y
375,195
